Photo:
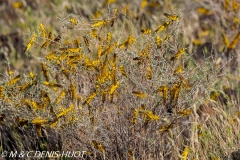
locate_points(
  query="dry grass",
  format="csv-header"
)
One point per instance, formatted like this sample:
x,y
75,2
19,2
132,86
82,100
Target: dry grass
x,y
118,92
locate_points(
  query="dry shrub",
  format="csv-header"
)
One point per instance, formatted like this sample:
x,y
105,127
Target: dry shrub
x,y
117,87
